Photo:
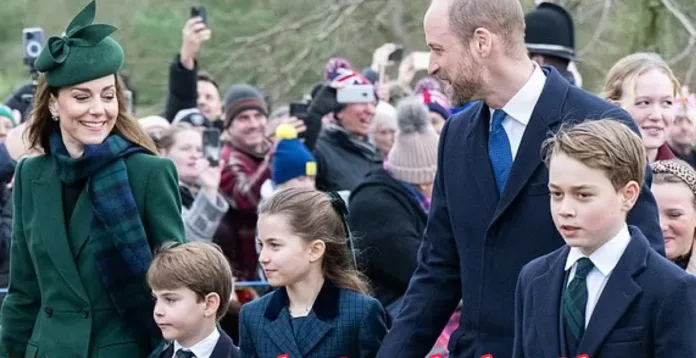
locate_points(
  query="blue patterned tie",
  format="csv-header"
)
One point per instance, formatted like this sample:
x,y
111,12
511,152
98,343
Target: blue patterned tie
x,y
499,151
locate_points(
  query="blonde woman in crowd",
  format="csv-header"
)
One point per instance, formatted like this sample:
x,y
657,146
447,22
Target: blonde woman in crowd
x,y
644,85
203,205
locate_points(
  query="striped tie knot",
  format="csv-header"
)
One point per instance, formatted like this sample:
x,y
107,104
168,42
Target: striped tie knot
x,y
583,268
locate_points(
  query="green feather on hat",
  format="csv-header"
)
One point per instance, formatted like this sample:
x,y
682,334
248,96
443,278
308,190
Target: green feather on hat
x,y
86,52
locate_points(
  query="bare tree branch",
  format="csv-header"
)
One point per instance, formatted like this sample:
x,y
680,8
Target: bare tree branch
x,y
600,28
691,71
688,26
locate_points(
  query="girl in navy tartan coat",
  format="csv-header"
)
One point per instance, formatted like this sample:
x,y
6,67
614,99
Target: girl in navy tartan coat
x,y
321,307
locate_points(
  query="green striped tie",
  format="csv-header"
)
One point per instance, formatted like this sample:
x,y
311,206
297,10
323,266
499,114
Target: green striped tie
x,y
575,299
181,353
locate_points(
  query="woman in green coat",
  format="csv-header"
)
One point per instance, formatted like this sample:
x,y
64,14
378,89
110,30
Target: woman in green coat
x,y
88,213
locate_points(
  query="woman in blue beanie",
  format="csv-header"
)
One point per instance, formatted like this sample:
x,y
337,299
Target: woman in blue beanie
x,y
87,212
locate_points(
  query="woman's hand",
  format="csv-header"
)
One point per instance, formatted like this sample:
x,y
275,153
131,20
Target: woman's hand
x,y
209,178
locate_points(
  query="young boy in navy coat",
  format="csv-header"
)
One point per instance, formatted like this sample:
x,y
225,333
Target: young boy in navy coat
x,y
606,293
192,286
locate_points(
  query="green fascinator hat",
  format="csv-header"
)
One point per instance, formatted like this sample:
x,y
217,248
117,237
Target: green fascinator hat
x,y
86,52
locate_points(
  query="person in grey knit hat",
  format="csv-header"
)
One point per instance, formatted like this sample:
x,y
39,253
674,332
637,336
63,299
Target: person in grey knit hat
x,y
389,208
242,97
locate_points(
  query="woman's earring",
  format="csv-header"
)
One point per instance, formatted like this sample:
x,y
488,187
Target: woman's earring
x,y
55,118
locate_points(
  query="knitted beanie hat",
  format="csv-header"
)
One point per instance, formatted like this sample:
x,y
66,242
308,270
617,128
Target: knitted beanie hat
x,y
436,102
413,158
241,97
385,116
333,65
192,116
427,84
291,158
347,77
86,52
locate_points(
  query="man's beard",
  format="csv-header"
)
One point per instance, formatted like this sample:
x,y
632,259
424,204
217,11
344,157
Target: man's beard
x,y
466,86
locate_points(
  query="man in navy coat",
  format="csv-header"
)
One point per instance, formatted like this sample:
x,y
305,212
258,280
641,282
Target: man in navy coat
x,y
490,208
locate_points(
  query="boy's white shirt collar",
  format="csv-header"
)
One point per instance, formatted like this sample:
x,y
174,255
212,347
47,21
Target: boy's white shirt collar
x,y
202,349
606,256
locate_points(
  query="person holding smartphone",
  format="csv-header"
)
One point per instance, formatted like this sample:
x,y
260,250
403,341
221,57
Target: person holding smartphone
x,y
343,150
199,180
189,87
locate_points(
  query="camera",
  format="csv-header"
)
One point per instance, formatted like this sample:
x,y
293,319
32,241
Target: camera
x,y
33,40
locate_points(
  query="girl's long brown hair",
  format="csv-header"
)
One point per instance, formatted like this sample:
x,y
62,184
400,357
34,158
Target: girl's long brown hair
x,y
42,124
312,217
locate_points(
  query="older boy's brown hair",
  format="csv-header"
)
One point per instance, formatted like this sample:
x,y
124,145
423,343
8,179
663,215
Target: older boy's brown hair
x,y
604,144
198,266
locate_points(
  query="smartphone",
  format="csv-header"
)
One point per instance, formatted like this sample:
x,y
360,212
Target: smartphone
x,y
32,42
211,146
298,109
356,94
421,60
397,55
200,11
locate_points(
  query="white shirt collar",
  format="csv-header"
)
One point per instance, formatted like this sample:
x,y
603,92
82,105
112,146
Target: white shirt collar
x,y
204,348
606,256
521,105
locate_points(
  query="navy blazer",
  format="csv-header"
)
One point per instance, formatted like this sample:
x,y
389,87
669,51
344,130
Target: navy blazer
x,y
224,348
647,308
476,243
342,323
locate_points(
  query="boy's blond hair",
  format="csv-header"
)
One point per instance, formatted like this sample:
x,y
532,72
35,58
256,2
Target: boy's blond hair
x,y
604,144
198,266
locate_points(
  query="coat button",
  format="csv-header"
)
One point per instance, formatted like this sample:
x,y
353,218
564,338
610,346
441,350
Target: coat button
x,y
85,313
48,311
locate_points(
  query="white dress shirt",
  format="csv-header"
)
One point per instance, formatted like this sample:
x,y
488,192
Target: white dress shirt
x,y
202,349
604,260
520,107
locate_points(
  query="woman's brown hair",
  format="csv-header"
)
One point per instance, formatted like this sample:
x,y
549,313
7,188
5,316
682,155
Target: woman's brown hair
x,y
42,124
312,216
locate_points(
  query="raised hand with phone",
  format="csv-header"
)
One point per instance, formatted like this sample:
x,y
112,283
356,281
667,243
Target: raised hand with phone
x,y
194,34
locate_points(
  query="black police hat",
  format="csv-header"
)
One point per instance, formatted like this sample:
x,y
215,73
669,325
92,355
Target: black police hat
x,y
550,31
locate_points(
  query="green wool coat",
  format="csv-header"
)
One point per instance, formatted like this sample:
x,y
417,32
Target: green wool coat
x,y
57,305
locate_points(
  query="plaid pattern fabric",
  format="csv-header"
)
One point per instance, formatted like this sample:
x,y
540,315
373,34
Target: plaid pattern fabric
x,y
357,329
117,235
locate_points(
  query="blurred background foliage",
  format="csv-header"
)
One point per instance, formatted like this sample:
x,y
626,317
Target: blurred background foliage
x,y
282,46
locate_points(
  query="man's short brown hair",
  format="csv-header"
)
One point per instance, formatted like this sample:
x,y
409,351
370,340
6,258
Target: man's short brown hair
x,y
207,77
604,144
198,266
504,18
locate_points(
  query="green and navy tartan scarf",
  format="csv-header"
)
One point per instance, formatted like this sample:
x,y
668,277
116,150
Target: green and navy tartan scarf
x,y
117,236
